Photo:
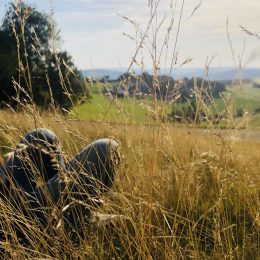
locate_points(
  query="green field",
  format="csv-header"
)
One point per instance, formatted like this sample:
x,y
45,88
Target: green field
x,y
245,97
236,102
118,110
103,108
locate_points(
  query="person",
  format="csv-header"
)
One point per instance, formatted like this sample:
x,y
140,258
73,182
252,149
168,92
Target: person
x,y
35,178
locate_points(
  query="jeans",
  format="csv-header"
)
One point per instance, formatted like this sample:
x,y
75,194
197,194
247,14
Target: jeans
x,y
36,177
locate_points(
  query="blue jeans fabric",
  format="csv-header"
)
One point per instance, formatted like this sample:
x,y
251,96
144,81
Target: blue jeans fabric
x,y
36,176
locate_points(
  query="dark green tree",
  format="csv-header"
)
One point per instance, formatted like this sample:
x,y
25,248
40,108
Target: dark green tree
x,y
8,64
42,75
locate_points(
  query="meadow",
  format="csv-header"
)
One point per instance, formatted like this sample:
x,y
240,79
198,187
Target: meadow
x,y
182,190
185,193
100,107
239,102
185,190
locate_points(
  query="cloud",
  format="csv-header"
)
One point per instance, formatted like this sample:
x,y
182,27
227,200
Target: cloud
x,y
93,28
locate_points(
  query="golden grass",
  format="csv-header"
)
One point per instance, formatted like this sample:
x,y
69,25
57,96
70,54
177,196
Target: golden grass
x,y
187,193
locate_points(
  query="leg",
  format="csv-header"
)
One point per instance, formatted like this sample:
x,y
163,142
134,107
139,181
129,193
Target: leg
x,y
94,167
93,173
36,159
30,177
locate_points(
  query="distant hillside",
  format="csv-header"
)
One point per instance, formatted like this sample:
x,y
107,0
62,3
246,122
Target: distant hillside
x,y
100,73
215,73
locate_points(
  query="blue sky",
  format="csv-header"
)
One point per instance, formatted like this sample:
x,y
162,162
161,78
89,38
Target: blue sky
x,y
93,31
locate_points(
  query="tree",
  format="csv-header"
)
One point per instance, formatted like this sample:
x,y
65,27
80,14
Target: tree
x,y
42,75
8,64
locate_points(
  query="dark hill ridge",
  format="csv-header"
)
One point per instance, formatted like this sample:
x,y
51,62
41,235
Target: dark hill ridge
x,y
215,73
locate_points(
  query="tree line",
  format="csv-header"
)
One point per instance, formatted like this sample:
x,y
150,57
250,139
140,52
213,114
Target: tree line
x,y
193,95
165,87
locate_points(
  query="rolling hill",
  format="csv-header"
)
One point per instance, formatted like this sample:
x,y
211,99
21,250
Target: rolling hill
x,y
214,73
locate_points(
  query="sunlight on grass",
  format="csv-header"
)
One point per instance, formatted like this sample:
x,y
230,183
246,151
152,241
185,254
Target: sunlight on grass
x,y
186,189
101,107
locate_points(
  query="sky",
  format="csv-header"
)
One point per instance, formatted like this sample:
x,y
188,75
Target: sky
x,y
107,33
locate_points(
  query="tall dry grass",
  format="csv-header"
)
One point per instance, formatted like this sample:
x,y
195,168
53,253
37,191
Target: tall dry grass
x,y
185,193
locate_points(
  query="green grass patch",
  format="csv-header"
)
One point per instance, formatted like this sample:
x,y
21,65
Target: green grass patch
x,y
235,101
245,97
105,108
